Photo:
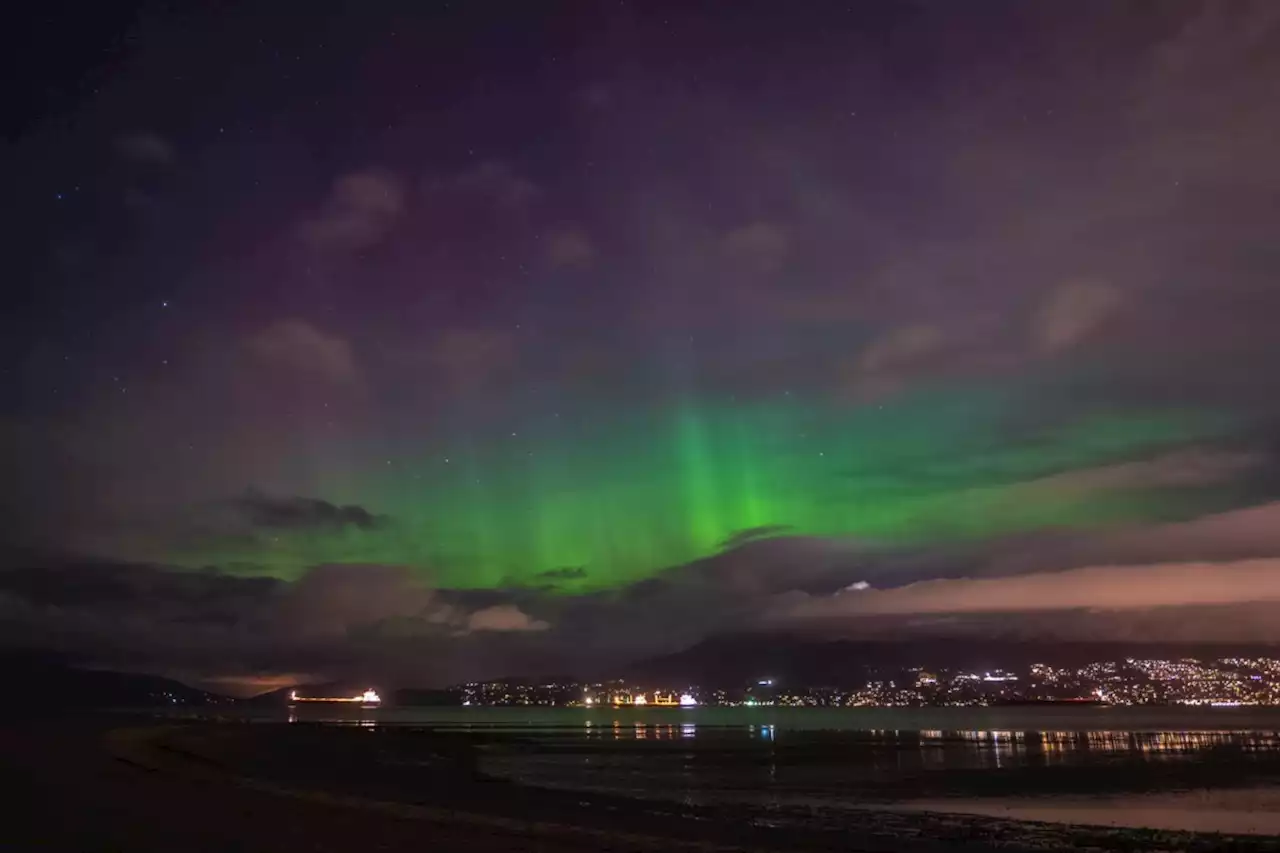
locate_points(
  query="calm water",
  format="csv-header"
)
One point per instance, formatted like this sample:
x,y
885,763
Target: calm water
x,y
780,720
1097,762
838,756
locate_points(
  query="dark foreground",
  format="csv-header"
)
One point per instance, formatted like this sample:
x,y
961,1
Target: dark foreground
x,y
135,785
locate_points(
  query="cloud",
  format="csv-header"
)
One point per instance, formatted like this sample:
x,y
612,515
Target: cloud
x,y
298,513
297,346
493,180
360,211
570,247
900,348
209,596
725,592
335,600
1239,534
1213,72
1048,584
1092,587
148,148
1073,312
888,362
338,621
1251,531
504,618
471,358
1183,468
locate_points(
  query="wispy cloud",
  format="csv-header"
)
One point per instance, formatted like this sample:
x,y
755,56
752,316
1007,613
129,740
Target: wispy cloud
x,y
359,212
297,345
1072,312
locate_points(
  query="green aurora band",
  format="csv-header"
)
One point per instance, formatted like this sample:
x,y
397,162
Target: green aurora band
x,y
627,495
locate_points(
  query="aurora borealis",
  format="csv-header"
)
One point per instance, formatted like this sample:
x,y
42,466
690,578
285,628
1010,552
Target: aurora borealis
x,y
635,493
576,333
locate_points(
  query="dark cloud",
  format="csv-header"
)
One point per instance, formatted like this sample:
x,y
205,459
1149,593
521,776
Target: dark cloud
x,y
1121,585
726,592
209,595
568,573
350,621
334,621
298,513
750,534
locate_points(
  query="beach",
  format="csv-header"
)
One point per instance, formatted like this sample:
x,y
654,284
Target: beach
x,y
130,783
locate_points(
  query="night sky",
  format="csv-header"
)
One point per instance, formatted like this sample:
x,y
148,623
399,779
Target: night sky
x,y
425,340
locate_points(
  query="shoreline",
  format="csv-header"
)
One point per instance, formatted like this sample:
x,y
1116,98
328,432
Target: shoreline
x,y
1248,811
899,824
400,785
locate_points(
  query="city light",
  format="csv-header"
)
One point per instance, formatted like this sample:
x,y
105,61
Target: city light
x,y
1218,683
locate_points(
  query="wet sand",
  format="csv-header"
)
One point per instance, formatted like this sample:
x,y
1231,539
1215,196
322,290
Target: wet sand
x,y
125,785
1253,811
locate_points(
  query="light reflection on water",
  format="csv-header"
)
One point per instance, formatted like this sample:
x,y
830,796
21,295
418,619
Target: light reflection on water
x,y
838,759
759,763
367,719
843,758
997,742
1136,734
